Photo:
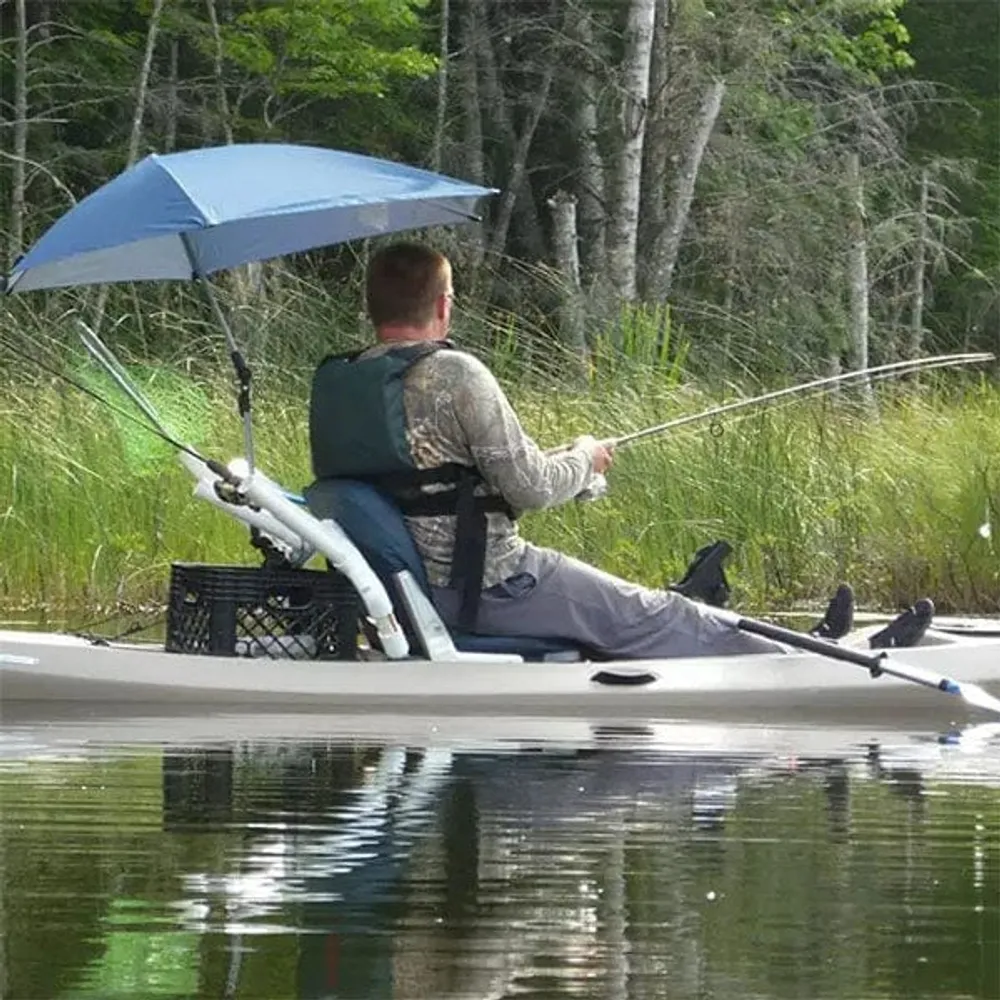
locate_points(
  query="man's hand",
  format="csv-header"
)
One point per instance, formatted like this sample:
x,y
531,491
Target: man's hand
x,y
601,455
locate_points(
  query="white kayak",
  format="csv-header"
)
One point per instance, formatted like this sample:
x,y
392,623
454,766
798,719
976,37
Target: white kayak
x,y
53,667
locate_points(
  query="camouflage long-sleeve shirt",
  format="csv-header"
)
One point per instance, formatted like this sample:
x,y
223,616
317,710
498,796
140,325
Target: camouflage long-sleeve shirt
x,y
457,412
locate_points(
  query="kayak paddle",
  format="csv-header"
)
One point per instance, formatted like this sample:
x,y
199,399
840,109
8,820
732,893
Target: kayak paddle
x,y
876,663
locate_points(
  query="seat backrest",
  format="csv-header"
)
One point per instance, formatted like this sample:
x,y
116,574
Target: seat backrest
x,y
374,523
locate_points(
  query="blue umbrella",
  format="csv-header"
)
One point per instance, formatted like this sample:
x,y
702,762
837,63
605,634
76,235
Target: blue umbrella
x,y
186,215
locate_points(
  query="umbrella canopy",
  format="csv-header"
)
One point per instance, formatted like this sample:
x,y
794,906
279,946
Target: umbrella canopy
x,y
189,214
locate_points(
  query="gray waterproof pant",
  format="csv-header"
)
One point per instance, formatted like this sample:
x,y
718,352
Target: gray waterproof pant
x,y
556,596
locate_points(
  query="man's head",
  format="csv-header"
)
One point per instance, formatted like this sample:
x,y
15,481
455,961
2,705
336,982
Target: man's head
x,y
409,293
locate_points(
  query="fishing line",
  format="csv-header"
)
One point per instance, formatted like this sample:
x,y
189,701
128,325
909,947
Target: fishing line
x,y
159,432
103,355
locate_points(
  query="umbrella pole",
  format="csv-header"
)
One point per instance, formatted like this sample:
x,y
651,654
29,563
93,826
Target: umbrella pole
x,y
243,404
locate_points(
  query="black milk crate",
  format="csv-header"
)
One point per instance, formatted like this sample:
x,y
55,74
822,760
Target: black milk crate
x,y
258,611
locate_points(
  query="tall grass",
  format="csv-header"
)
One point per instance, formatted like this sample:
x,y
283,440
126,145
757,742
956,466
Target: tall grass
x,y
93,509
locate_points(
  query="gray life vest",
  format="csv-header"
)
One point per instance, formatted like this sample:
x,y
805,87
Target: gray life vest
x,y
357,430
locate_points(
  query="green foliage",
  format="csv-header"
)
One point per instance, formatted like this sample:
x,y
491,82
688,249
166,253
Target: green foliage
x,y
861,36
330,48
962,56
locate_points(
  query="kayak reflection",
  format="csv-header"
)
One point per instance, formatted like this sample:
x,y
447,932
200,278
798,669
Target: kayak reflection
x,y
317,856
334,860
429,872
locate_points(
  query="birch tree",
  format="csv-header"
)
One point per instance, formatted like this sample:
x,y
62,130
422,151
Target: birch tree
x,y
17,207
857,263
218,61
135,133
514,142
623,207
916,338
142,84
441,110
515,182
572,321
173,97
590,169
467,70
667,244
473,166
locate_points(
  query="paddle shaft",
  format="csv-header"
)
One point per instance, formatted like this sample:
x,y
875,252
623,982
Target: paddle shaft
x,y
875,662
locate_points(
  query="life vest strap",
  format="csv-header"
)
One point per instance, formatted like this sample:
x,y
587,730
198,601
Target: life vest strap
x,y
468,561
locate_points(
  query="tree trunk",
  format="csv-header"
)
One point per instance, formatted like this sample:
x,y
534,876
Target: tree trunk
x,y
472,124
521,198
472,116
572,326
442,88
217,67
248,279
142,85
729,280
916,341
135,137
18,181
622,232
590,189
516,180
857,268
170,138
656,147
667,247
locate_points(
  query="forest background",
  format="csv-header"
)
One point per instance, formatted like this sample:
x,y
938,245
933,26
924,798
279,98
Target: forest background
x,y
698,199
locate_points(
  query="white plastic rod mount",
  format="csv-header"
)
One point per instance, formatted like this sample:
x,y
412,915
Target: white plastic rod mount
x,y
330,541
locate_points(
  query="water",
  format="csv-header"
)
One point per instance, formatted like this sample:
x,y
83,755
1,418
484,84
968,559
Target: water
x,y
305,856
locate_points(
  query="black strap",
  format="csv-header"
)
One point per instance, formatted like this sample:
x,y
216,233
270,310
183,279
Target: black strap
x,y
468,559
407,482
459,500
446,503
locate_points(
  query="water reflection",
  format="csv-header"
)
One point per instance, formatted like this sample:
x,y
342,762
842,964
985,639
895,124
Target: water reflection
x,y
619,868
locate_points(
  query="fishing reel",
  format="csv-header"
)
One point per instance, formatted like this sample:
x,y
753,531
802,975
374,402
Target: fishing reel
x,y
595,488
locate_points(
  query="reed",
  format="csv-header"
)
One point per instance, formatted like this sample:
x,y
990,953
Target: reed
x,y
93,509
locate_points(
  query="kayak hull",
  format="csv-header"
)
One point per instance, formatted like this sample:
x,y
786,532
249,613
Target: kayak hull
x,y
51,667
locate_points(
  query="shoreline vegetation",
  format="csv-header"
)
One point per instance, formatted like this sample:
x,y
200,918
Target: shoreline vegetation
x,y
890,496
695,203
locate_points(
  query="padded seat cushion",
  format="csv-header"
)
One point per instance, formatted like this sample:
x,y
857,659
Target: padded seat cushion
x,y
530,647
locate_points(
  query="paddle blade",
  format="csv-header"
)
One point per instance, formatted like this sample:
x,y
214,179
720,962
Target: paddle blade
x,y
978,697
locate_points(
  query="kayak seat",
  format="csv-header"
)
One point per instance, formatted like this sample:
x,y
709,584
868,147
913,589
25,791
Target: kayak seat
x,y
376,526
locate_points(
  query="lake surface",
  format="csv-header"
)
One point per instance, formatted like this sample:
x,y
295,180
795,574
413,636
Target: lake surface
x,y
308,856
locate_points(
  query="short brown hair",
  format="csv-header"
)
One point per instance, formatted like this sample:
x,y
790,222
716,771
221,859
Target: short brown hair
x,y
404,282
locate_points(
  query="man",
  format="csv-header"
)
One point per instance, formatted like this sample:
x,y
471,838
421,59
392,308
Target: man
x,y
431,425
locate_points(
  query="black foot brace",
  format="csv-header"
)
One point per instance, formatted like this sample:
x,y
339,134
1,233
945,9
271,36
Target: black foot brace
x,y
906,629
705,579
839,617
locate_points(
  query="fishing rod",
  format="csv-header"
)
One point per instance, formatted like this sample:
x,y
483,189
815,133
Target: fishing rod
x,y
102,354
252,498
824,390
821,385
